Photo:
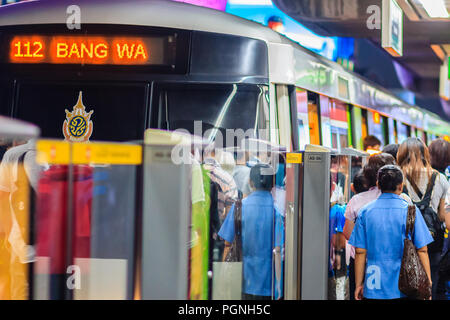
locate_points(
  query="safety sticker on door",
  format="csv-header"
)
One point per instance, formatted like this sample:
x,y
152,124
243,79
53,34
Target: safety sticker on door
x,y
78,126
315,158
293,157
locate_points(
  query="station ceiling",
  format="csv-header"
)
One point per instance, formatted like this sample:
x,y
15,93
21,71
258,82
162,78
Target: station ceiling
x,y
426,40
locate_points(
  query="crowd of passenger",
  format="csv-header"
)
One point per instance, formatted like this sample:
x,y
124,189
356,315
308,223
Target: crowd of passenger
x,y
399,176
393,179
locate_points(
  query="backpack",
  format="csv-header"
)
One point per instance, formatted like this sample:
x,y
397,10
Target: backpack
x,y
429,215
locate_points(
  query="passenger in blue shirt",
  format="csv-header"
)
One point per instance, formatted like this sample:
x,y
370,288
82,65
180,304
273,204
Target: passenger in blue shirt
x,y
259,220
335,229
378,236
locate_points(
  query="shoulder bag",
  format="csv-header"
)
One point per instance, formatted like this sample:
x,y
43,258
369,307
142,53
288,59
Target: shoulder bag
x,y
413,280
429,215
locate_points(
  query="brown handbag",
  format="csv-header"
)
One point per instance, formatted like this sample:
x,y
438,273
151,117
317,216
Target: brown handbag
x,y
413,280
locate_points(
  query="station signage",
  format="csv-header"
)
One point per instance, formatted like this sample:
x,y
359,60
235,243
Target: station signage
x,y
95,50
392,28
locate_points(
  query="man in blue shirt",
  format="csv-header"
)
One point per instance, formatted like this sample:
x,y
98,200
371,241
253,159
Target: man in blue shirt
x,y
379,234
259,220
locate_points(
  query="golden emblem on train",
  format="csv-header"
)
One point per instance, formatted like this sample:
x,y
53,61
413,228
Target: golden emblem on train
x,y
78,125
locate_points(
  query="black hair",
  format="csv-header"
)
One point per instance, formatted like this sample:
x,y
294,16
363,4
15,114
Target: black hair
x,y
371,141
374,164
359,182
440,154
389,177
259,179
392,149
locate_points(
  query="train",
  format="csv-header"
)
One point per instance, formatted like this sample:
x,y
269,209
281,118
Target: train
x,y
133,71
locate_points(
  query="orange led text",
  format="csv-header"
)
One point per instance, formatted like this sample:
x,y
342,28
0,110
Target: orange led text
x,y
78,50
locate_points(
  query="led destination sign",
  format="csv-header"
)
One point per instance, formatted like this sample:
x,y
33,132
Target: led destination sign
x,y
92,50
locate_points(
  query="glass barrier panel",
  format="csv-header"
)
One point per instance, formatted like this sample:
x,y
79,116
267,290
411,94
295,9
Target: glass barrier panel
x,y
247,223
104,211
86,205
166,227
18,184
337,274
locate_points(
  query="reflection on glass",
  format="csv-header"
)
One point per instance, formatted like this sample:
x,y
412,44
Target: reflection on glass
x,y
200,239
338,264
249,266
85,227
105,207
18,175
356,166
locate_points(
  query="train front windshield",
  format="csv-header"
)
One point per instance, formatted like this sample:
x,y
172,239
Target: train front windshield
x,y
201,108
117,112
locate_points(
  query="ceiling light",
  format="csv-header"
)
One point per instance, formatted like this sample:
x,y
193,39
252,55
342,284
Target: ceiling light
x,y
435,8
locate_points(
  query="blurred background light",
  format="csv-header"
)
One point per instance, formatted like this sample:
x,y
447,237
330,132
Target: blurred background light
x,y
435,8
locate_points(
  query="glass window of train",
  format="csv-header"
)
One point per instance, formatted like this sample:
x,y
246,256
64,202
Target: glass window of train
x,y
375,126
339,123
343,138
385,130
302,117
111,112
357,127
429,137
334,138
263,118
284,115
393,130
364,126
424,137
408,131
402,132
314,118
325,120
351,128
5,98
210,109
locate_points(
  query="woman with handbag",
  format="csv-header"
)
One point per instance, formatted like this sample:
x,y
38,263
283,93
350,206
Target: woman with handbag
x,y
379,236
440,161
427,189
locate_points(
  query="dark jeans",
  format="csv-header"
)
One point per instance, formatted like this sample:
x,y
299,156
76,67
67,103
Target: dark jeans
x,y
352,280
435,258
443,285
246,296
